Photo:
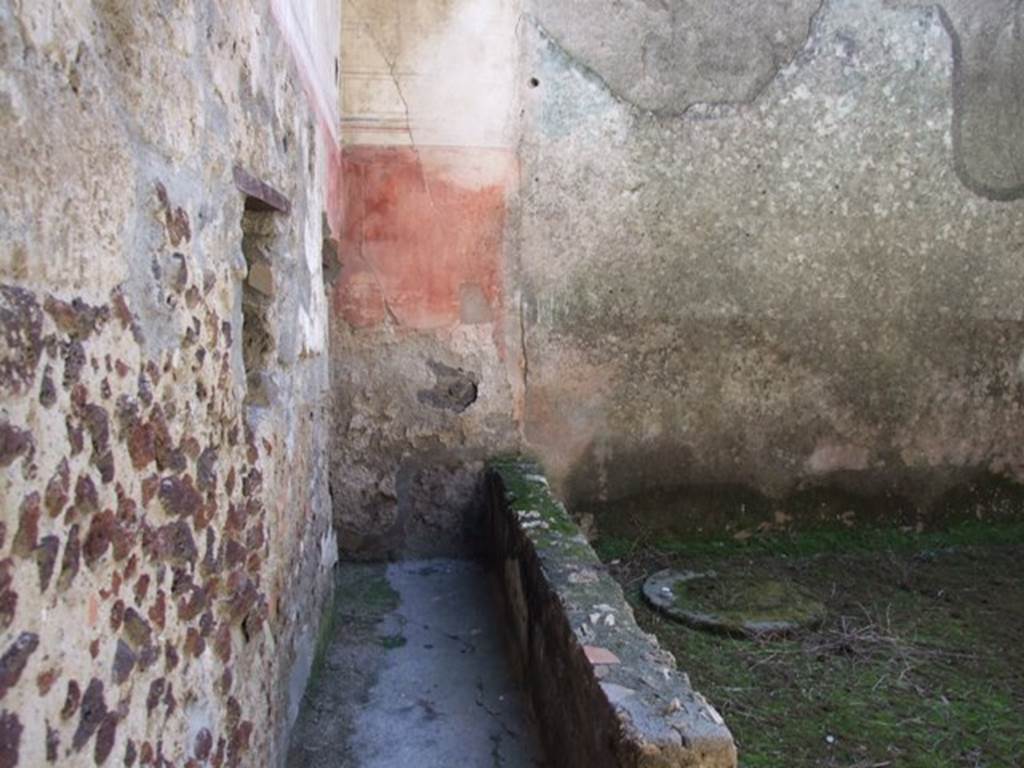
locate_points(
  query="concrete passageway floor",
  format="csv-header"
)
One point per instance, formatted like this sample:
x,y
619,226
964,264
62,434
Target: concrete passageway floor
x,y
414,674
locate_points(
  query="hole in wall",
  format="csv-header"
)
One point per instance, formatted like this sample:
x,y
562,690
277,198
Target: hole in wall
x,y
534,82
329,262
455,389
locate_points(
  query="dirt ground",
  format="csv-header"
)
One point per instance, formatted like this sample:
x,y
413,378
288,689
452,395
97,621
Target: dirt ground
x,y
920,663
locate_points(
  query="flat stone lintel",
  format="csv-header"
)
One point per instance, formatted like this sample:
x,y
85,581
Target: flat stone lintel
x,y
606,695
260,196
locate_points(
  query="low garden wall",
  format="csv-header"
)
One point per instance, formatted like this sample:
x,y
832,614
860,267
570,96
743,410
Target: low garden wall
x,y
603,691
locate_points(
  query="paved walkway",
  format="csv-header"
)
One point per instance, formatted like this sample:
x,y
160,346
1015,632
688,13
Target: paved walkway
x,y
415,677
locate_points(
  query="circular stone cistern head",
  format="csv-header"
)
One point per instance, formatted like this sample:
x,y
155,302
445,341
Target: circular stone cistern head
x,y
733,604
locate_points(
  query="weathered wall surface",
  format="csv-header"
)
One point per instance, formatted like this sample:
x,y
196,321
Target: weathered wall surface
x,y
419,307
312,32
749,252
774,246
165,541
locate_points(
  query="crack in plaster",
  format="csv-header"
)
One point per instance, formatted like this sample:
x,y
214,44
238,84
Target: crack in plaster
x,y
392,64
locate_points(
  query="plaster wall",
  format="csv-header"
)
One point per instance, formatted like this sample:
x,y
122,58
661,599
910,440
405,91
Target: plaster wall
x,y
165,540
758,254
774,248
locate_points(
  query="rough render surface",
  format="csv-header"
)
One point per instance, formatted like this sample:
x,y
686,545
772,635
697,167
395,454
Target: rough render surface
x,y
164,550
764,248
666,56
811,281
405,478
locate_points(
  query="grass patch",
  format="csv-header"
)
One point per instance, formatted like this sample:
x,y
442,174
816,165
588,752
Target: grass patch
x,y
363,594
324,636
918,665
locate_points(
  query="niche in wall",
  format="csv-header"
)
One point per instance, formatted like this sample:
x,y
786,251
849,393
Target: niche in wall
x,y
257,302
261,246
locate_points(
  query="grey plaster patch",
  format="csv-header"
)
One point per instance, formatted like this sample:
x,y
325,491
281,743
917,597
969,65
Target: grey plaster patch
x,y
987,39
666,55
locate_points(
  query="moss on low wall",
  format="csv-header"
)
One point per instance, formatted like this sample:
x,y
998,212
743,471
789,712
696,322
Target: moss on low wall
x,y
605,693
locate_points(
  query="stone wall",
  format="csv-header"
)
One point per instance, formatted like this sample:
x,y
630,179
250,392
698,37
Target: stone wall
x,y
420,309
166,540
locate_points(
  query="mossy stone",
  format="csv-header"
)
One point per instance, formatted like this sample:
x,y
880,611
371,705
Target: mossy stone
x,y
741,605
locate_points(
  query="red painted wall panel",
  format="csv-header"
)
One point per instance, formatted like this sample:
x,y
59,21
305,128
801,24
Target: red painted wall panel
x,y
422,235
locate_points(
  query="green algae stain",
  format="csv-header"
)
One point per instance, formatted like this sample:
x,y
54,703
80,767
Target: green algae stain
x,y
391,642
543,517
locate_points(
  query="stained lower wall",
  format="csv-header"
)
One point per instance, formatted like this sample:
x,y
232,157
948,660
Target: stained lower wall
x,y
166,540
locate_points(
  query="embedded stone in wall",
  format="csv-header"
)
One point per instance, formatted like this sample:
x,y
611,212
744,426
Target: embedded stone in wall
x,y
153,588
